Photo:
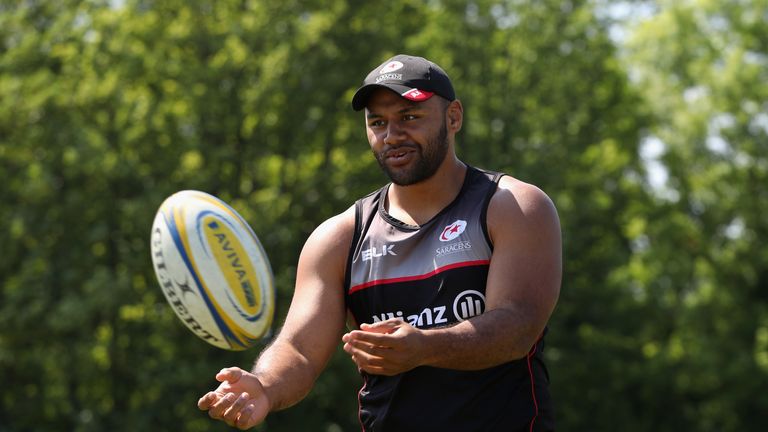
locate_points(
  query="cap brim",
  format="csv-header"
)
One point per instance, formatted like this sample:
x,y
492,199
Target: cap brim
x,y
360,99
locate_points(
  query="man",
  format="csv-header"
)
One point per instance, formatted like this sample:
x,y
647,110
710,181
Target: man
x,y
449,275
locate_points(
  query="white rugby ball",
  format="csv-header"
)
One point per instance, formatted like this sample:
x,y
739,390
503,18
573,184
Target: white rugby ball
x,y
213,270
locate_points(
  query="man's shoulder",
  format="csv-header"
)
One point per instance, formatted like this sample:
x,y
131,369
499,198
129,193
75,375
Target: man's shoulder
x,y
517,201
520,213
341,225
340,229
325,251
512,189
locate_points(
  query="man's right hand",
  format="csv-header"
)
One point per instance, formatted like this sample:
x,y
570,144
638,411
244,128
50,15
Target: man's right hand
x,y
239,401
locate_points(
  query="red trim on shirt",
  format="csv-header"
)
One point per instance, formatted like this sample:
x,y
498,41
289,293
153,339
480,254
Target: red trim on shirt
x,y
360,403
418,277
533,386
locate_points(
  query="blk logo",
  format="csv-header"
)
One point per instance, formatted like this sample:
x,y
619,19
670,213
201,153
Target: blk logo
x,y
467,304
453,230
376,252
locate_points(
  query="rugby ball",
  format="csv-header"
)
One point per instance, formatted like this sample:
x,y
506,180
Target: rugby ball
x,y
213,270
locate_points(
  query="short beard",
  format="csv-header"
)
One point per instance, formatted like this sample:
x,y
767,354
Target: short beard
x,y
428,160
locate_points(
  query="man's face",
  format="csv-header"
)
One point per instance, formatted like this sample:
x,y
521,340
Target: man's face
x,y
409,139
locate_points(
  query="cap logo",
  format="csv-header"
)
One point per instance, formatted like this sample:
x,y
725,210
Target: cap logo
x,y
391,67
417,95
389,77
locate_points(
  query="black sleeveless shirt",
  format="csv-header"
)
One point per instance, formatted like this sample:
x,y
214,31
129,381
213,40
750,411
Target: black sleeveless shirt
x,y
434,275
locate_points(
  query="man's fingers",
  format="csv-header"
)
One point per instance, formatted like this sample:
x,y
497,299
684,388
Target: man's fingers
x,y
243,405
217,410
365,358
375,369
207,400
248,421
368,362
387,326
359,346
231,414
369,337
231,374
246,413
249,417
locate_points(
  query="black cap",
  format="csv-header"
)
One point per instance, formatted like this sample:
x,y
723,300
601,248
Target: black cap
x,y
414,78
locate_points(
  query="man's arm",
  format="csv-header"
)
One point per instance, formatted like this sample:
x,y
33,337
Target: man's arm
x,y
521,292
286,371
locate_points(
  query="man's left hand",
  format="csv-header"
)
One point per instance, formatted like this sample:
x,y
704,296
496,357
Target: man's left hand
x,y
385,348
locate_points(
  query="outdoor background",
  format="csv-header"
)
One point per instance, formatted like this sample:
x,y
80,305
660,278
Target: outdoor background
x,y
645,121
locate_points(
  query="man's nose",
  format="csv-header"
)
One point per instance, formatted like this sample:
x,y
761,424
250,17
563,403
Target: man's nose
x,y
394,133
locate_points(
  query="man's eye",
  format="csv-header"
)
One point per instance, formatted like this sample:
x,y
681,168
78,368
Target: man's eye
x,y
409,117
376,123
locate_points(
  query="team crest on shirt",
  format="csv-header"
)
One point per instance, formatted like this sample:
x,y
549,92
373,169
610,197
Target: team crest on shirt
x,y
453,230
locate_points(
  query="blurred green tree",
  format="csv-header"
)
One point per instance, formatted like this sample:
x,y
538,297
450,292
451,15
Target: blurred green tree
x,y
700,264
107,107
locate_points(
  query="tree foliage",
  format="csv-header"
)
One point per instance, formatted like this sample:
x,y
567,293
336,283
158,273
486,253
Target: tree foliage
x,y
108,107
704,68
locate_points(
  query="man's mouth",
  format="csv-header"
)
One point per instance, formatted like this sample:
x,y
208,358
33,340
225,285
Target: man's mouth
x,y
398,154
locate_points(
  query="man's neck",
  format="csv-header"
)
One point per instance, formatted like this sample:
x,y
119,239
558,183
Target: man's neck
x,y
418,203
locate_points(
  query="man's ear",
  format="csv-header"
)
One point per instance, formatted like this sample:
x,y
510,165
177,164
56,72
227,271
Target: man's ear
x,y
455,114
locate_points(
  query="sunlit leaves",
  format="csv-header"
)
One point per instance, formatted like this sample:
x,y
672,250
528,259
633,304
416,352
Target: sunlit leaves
x,y
108,107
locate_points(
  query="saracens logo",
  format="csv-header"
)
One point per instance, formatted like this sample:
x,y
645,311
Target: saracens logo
x,y
391,67
453,230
